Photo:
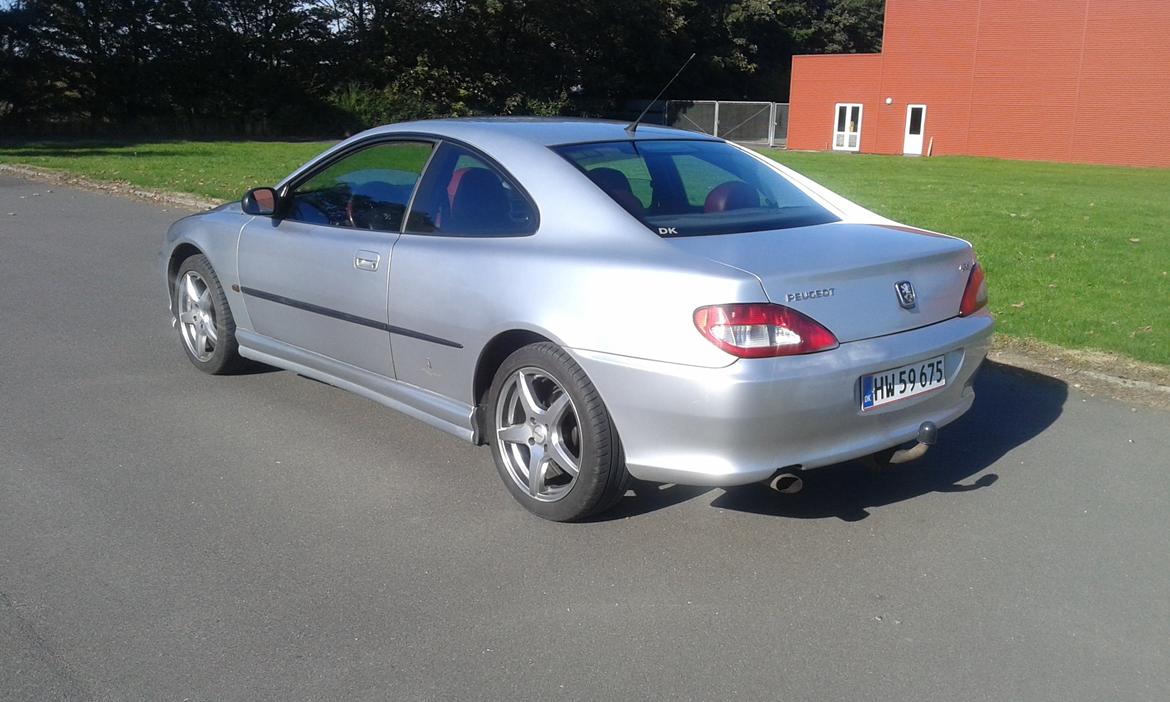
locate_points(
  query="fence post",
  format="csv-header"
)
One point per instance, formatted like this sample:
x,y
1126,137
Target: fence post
x,y
715,126
771,125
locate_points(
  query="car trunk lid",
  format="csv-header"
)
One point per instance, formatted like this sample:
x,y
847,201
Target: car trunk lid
x,y
844,275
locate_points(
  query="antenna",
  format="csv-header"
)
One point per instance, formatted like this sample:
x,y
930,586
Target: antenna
x,y
633,126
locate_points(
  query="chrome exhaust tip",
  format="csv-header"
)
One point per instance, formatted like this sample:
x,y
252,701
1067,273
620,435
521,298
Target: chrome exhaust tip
x,y
786,483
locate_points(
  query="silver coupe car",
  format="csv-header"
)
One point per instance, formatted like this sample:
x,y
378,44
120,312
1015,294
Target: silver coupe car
x,y
592,302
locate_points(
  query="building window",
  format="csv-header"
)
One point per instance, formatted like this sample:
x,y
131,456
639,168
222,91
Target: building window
x,y
847,127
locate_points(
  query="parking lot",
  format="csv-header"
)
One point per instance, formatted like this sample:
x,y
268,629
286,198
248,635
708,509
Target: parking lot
x,y
166,535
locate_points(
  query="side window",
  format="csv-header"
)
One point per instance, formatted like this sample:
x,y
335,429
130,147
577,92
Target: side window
x,y
366,190
464,195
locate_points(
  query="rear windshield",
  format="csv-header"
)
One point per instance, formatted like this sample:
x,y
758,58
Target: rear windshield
x,y
694,188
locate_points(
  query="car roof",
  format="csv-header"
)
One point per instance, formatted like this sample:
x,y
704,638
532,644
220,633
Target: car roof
x,y
546,131
512,141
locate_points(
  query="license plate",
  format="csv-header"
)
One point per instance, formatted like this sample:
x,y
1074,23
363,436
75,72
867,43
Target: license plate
x,y
888,386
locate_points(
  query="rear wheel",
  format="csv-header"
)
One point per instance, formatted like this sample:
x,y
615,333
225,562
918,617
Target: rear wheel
x,y
203,318
553,441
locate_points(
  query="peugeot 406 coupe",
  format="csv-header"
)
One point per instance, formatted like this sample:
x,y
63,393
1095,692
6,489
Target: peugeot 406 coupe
x,y
595,303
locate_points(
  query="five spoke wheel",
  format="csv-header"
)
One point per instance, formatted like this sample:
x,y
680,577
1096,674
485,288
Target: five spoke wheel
x,y
539,434
197,316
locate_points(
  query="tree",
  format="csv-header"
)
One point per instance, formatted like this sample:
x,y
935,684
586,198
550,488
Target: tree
x,y
320,66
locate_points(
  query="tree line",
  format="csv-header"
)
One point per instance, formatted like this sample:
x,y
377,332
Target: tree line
x,y
317,67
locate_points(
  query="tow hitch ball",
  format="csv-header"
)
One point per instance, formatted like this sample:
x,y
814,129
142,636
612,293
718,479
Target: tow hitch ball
x,y
927,436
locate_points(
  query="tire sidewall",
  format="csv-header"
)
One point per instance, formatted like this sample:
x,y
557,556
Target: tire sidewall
x,y
224,354
598,440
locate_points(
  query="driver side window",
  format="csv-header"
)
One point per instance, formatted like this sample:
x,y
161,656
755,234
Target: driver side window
x,y
365,190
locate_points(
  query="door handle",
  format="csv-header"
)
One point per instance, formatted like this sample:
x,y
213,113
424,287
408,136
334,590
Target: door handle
x,y
366,261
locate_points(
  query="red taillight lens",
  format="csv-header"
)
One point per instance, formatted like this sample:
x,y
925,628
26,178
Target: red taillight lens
x,y
760,330
975,294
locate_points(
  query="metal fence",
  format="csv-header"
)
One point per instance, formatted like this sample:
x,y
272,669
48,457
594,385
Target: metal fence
x,y
756,123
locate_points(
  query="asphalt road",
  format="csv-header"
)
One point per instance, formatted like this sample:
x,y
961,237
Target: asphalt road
x,y
165,535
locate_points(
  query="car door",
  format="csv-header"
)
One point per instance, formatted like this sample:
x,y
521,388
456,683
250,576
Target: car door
x,y
317,275
468,218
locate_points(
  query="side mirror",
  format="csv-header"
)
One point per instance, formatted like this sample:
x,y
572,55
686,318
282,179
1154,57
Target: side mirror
x,y
260,201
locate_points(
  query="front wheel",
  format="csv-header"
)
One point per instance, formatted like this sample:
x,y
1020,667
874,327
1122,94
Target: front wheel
x,y
203,318
552,438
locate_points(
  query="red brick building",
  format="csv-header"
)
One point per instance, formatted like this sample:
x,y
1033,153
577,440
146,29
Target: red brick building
x,y
1052,80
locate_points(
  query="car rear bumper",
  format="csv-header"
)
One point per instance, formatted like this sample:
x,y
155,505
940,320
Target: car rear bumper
x,y
741,423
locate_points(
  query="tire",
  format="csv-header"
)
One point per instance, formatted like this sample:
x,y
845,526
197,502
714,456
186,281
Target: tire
x,y
207,331
541,402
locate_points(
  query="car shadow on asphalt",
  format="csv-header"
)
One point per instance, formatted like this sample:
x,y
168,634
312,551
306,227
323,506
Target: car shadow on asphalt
x,y
1011,407
258,368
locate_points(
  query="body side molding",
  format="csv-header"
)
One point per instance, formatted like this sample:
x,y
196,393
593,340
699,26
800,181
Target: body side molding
x,y
346,317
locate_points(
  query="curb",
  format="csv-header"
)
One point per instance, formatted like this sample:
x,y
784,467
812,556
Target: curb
x,y
119,188
1092,372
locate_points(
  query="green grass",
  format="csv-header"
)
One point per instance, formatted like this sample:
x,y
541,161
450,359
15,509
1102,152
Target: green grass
x,y
1075,255
220,170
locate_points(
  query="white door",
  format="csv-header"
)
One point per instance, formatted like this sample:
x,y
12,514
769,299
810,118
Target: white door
x,y
847,127
915,126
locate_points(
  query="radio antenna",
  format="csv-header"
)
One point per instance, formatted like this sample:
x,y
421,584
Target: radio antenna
x,y
633,126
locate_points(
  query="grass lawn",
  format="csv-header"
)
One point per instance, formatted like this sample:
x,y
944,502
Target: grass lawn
x,y
220,170
1077,256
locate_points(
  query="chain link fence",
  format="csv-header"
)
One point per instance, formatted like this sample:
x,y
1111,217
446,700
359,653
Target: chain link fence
x,y
754,123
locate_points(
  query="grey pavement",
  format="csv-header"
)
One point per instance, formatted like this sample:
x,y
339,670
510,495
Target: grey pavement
x,y
165,535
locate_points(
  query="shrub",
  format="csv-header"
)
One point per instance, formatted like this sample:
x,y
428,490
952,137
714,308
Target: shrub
x,y
364,107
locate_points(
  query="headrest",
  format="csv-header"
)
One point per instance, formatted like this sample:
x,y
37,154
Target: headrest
x,y
732,195
480,202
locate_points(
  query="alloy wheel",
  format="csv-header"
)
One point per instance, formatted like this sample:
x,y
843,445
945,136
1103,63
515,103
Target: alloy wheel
x,y
197,316
539,434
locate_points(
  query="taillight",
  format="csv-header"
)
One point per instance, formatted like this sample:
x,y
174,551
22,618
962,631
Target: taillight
x,y
975,294
760,330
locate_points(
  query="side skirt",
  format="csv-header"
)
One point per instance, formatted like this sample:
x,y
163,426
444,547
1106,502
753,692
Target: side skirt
x,y
436,410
